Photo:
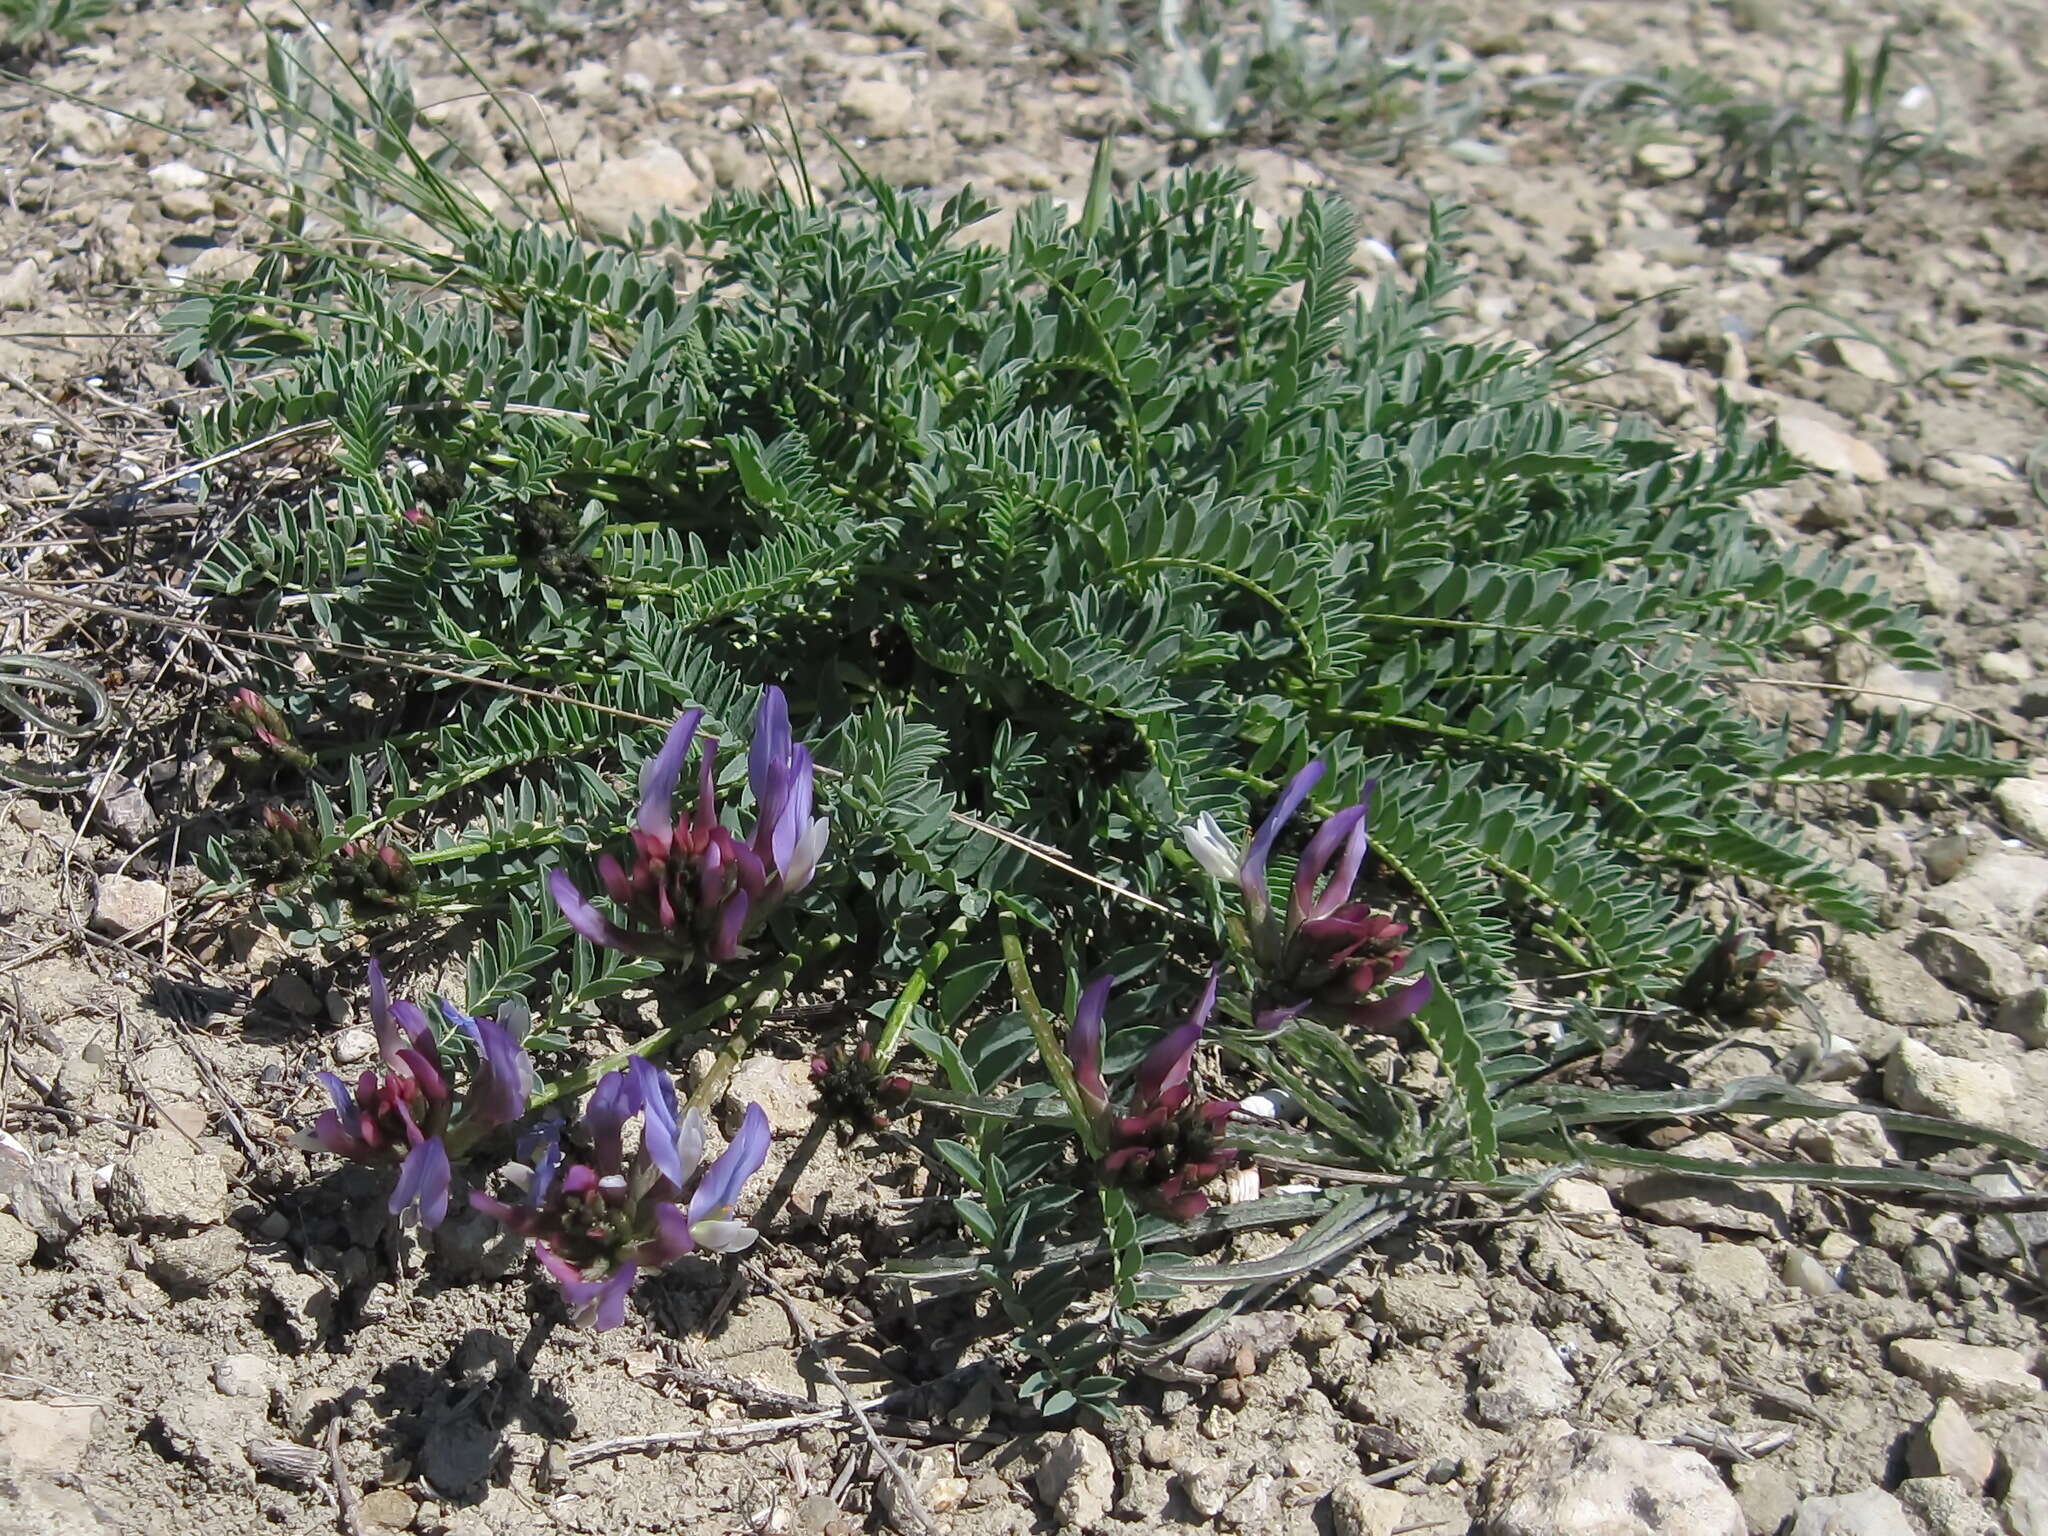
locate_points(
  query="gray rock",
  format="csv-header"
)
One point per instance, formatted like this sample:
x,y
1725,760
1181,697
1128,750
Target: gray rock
x,y
1868,1512
1949,1445
192,1266
124,906
1766,1495
1733,1274
1975,1375
353,1047
1681,1200
1834,452
2027,1017
51,1195
1076,1479
2024,1452
1870,1271
2023,803
1892,984
1922,1081
1889,690
255,1376
1359,1509
1945,857
880,109
165,1184
1260,1334
46,1437
783,1089
2006,667
17,1242
1253,1507
1944,1507
1418,1306
656,180
1519,1377
1972,963
2001,1237
1558,1481
1941,1506
2002,892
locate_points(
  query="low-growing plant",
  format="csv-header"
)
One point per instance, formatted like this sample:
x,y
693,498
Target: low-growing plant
x,y
1370,77
37,26
1069,558
1872,130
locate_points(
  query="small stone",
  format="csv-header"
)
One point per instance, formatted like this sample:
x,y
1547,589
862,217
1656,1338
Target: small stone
x,y
1891,690
2002,891
1864,357
2027,1017
1733,1274
783,1089
1833,452
881,109
177,176
1944,857
2023,803
1421,1306
1949,1445
2005,667
1807,1275
590,84
1922,1081
656,180
21,286
2024,1452
1870,1271
1077,1479
1520,1378
354,1046
1867,1512
17,1242
78,128
1667,162
192,1266
1893,985
124,906
1944,1507
188,205
46,1437
1975,1375
1682,1200
388,1509
1559,1481
1766,1495
247,1376
1252,1509
1357,1508
1578,1197
1928,1267
164,1183
1972,963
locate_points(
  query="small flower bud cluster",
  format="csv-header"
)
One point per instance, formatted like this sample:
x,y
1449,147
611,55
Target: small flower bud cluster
x,y
255,737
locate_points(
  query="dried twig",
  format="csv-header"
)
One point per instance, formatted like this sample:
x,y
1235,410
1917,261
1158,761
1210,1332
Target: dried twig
x,y
344,1491
911,1504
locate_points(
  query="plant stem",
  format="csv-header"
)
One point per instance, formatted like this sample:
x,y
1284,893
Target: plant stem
x,y
914,988
770,983
767,990
1052,1050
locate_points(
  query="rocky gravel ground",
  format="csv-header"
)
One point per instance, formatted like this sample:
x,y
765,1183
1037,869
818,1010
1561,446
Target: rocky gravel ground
x,y
183,1345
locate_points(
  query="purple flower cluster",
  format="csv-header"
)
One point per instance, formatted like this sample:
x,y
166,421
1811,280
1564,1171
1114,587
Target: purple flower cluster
x,y
409,1112
1330,955
1167,1143
693,888
597,1219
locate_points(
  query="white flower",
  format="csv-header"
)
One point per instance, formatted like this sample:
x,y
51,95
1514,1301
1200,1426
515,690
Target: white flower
x,y
1212,850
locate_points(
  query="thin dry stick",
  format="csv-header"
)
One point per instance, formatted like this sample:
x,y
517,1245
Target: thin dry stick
x,y
713,1437
912,1505
344,1491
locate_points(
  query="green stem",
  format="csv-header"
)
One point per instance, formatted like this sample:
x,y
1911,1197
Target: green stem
x,y
914,988
775,980
767,991
1051,1049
